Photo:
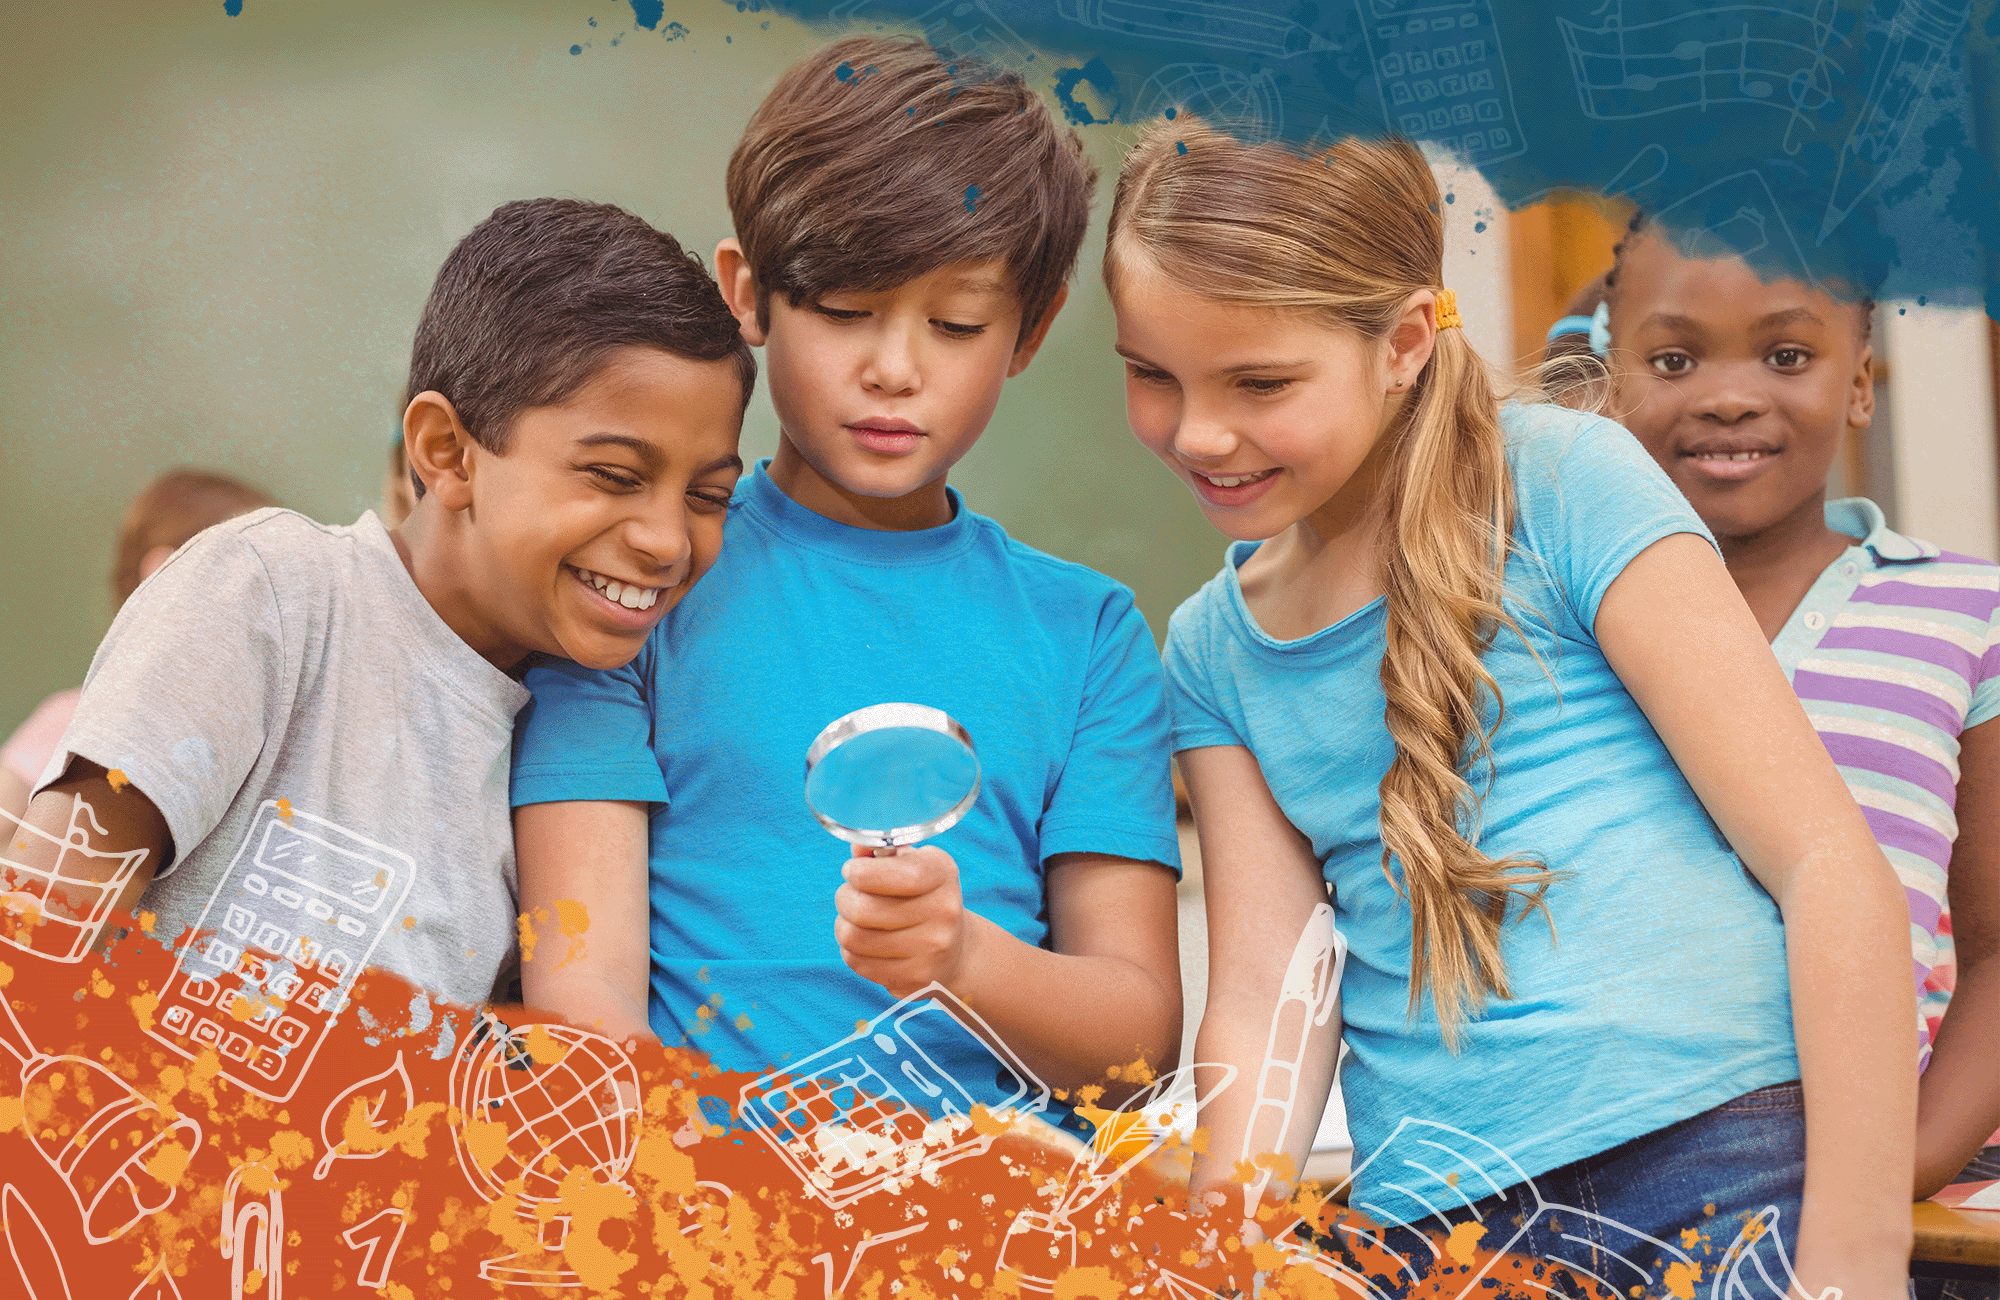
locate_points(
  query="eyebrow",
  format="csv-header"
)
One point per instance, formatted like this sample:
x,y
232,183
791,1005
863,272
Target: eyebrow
x,y
1790,316
721,462
978,284
1240,368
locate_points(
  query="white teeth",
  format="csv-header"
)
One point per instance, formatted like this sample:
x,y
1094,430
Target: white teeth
x,y
1234,480
630,595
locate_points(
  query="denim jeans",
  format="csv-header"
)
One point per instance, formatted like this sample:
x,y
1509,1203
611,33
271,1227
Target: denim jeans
x,y
1717,1191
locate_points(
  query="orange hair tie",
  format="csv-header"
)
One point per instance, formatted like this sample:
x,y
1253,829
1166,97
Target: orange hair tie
x,y
1447,310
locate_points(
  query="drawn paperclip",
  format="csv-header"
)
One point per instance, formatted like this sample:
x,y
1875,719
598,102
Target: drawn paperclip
x,y
253,1238
1041,1244
1311,992
72,902
113,1188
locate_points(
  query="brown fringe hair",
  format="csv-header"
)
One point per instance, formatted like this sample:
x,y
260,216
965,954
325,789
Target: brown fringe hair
x,y
1347,235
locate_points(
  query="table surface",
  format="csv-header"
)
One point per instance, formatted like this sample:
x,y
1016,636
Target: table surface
x,y
1948,1236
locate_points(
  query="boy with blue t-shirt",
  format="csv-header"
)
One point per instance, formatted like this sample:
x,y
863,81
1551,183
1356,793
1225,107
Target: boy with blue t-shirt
x,y
904,232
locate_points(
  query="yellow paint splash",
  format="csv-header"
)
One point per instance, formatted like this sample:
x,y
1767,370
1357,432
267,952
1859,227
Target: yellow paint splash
x,y
169,1162
1095,1283
525,926
146,920
1690,1238
572,920
543,1047
1681,1278
143,1007
743,1021
590,1203
291,1148
117,779
11,1111
485,1141
258,1178
1464,1240
285,810
6,974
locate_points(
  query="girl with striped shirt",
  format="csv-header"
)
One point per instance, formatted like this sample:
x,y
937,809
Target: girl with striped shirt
x,y
1742,389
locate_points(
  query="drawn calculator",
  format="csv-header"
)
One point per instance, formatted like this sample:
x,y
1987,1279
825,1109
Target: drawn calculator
x,y
287,931
846,1117
1442,78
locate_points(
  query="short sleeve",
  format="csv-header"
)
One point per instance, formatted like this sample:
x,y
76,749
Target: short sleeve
x,y
1986,691
187,687
1116,794
1198,720
1588,500
587,735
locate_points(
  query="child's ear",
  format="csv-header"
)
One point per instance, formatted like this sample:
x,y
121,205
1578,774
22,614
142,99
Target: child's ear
x,y
1025,350
437,446
1861,392
1412,339
739,289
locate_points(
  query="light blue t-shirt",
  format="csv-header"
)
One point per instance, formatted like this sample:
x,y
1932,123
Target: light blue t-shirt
x,y
1664,991
1048,665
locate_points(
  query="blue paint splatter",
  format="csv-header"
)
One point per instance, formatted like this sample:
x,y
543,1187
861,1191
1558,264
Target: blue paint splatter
x,y
1097,75
593,22
1451,198
232,7
647,13
845,72
675,31
1180,146
1478,227
1172,112
971,196
576,49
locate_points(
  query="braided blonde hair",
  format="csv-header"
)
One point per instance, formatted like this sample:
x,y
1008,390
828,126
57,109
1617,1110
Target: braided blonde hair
x,y
1348,235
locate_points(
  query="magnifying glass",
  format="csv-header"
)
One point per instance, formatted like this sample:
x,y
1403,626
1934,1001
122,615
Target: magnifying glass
x,y
891,774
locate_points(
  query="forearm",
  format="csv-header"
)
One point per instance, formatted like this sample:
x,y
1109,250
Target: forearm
x,y
589,999
1236,1031
1072,1019
1847,946
1958,1101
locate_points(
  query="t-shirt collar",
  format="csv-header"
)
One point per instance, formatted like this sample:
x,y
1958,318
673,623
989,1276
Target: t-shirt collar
x,y
1861,518
757,495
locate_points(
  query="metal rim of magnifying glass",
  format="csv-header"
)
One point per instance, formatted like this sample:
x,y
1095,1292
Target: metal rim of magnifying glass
x,y
876,717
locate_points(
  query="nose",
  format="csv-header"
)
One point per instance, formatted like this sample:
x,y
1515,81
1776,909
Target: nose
x,y
1203,437
891,367
1728,395
659,534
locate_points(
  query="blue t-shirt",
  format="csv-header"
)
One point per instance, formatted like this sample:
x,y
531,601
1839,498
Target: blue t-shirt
x,y
1048,665
1664,991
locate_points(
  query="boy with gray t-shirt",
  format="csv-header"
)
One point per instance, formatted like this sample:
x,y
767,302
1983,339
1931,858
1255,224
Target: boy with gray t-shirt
x,y
309,728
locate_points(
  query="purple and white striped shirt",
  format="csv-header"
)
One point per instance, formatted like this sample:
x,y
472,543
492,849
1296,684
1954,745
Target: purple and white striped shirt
x,y
1894,652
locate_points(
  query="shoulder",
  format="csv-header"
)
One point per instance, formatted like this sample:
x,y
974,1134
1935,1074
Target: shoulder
x,y
1202,617
1554,438
1077,586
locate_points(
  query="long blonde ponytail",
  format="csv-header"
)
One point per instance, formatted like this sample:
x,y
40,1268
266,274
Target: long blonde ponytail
x,y
1349,235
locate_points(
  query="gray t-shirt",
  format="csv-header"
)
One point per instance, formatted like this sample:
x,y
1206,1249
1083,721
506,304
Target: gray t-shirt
x,y
331,759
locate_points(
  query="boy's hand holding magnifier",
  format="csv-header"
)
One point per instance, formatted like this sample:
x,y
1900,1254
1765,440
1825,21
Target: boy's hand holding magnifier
x,y
883,778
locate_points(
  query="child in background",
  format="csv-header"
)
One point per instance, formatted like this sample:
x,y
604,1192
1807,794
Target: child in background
x,y
576,387
172,509
1448,668
904,230
1743,389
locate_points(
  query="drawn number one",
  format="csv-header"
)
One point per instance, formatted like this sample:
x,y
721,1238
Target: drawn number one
x,y
370,1237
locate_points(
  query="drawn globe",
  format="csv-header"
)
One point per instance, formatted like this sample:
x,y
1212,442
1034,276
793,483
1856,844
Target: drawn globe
x,y
574,1108
1246,104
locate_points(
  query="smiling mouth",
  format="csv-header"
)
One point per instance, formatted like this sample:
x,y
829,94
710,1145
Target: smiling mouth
x,y
1233,480
1720,457
628,594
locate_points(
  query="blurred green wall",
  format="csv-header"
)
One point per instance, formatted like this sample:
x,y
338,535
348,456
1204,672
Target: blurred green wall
x,y
219,231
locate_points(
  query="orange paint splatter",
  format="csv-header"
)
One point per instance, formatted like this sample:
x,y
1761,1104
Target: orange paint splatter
x,y
11,1111
543,1047
285,810
117,779
1465,1238
572,920
169,1163
1681,1278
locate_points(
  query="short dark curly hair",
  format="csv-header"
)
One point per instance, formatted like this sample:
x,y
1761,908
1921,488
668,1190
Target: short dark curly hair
x,y
1641,219
529,305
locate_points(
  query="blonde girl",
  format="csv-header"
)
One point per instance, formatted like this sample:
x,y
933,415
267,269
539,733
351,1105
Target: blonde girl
x,y
1479,672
